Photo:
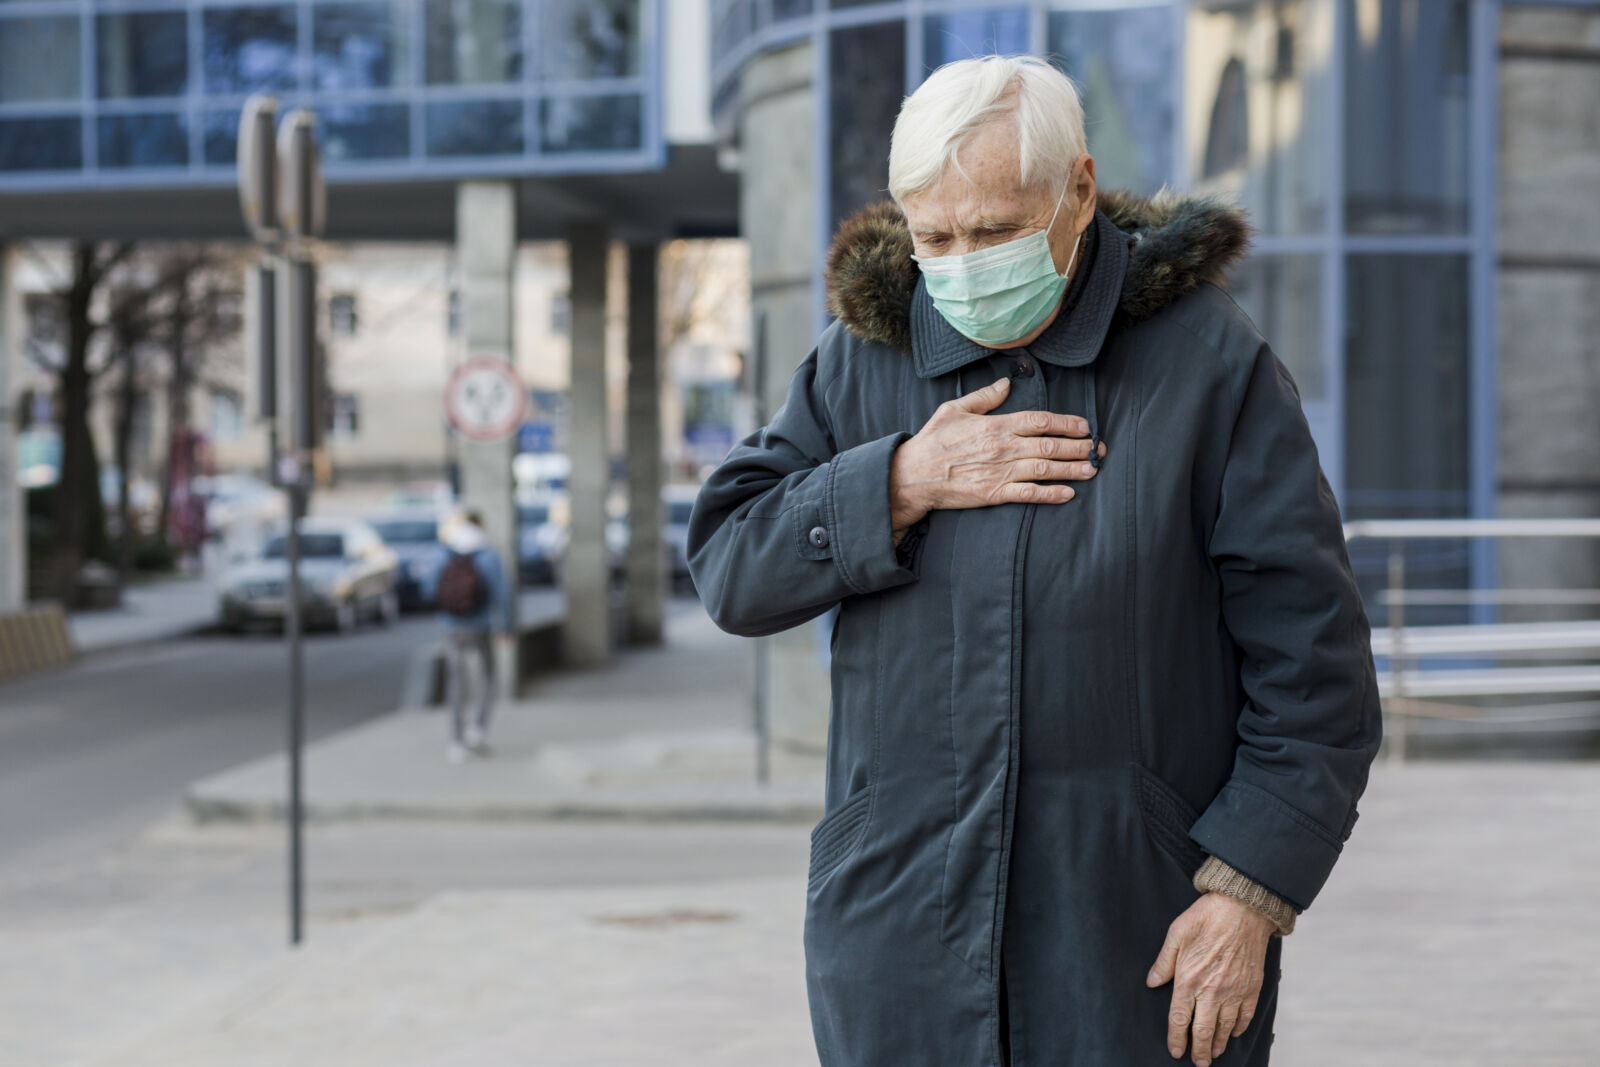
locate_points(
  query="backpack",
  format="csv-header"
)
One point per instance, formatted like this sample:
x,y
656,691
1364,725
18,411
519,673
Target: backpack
x,y
462,591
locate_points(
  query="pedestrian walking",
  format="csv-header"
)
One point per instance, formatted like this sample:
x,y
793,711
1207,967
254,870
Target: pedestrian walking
x,y
1103,693
474,604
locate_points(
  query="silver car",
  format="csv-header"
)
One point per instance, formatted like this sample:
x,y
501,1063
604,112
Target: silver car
x,y
347,574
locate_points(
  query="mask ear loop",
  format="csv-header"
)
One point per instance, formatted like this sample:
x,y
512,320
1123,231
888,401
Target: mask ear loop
x,y
1075,241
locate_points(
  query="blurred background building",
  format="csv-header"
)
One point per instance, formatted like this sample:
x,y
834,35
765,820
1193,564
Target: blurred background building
x,y
562,147
1420,173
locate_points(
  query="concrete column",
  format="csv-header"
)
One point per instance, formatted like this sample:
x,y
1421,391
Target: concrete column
x,y
486,250
777,138
13,517
646,558
1548,295
586,638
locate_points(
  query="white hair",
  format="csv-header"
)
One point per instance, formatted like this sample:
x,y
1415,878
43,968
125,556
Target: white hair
x,y
938,119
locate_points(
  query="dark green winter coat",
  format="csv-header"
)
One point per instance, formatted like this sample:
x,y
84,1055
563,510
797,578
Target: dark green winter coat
x,y
1045,716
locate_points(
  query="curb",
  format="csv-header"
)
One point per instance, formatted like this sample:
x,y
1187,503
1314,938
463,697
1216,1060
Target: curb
x,y
790,805
210,626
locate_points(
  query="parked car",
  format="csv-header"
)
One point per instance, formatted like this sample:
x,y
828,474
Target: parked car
x,y
347,573
433,496
677,502
240,508
541,538
414,536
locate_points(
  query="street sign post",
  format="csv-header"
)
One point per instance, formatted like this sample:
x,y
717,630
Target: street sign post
x,y
484,399
282,198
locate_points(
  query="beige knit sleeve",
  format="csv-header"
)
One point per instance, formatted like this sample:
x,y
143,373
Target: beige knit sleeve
x,y
1214,876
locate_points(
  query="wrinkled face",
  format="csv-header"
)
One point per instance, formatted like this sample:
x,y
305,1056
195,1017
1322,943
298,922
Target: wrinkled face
x,y
989,205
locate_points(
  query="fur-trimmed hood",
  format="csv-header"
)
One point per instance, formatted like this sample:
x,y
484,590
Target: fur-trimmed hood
x,y
1178,243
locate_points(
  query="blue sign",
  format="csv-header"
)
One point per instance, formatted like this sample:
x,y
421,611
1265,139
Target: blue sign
x,y
536,437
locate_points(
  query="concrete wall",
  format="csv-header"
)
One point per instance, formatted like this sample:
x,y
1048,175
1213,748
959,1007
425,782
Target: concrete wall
x,y
1549,287
777,128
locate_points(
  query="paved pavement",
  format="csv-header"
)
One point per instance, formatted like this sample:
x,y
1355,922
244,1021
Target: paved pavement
x,y
92,753
663,733
155,611
1457,930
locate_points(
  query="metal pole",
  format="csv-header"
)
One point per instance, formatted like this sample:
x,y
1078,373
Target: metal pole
x,y
1398,661
297,699
761,704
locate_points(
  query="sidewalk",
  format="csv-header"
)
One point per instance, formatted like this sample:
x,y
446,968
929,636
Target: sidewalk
x,y
701,976
155,611
662,733
1457,931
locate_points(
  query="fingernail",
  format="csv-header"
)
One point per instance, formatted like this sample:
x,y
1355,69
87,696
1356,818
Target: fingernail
x,y
1070,493
1003,383
1150,979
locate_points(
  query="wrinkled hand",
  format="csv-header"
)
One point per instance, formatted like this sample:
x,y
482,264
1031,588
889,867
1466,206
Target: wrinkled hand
x,y
1215,956
964,458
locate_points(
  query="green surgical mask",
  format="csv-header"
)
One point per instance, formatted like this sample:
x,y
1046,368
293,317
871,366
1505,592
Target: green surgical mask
x,y
1000,293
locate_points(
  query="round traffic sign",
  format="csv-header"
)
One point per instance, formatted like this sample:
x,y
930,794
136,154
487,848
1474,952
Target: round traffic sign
x,y
485,399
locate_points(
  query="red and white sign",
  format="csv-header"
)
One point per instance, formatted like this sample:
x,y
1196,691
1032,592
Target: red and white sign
x,y
485,399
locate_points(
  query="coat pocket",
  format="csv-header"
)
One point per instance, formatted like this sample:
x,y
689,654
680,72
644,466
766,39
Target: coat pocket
x,y
1167,819
837,835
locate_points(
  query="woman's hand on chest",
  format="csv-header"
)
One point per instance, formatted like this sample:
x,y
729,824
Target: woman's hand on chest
x,y
966,458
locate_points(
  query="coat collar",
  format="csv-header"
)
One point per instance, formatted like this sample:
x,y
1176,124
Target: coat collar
x,y
1072,340
1168,244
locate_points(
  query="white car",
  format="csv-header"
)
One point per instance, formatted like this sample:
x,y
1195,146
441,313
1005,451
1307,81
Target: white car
x,y
240,508
347,573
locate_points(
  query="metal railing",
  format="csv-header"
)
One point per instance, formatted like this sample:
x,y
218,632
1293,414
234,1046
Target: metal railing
x,y
1408,695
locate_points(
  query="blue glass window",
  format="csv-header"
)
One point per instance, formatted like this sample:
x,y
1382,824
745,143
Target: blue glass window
x,y
591,124
249,49
1406,386
866,83
157,140
220,135
1282,294
39,59
475,128
473,42
1257,89
732,21
357,132
1122,61
359,46
141,54
1407,92
947,38
590,39
41,144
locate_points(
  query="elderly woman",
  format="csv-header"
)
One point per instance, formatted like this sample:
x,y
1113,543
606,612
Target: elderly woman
x,y
1103,699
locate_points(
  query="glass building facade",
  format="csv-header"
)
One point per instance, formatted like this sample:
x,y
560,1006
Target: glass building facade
x,y
1358,134
106,94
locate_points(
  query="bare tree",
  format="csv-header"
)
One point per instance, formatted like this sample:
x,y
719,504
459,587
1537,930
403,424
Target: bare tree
x,y
78,508
196,314
698,285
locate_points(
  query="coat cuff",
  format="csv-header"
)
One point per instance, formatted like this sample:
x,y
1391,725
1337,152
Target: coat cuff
x,y
1214,876
1269,840
857,509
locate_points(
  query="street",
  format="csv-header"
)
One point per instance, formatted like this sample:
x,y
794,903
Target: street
x,y
112,901
91,753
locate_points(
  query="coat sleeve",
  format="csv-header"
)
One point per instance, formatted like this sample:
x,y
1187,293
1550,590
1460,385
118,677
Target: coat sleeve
x,y
1310,724
787,525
